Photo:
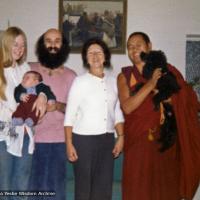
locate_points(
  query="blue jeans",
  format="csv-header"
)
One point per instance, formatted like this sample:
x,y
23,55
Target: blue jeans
x,y
5,169
49,171
15,171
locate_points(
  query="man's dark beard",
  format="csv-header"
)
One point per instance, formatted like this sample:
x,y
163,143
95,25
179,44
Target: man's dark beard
x,y
51,60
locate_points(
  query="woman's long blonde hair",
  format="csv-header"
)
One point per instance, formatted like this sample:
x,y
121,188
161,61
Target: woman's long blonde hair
x,y
2,78
6,59
7,42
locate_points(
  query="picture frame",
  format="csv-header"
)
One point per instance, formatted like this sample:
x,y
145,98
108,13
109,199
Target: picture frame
x,y
192,62
80,20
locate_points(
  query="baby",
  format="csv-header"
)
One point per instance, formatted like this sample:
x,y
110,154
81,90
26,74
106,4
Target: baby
x,y
25,94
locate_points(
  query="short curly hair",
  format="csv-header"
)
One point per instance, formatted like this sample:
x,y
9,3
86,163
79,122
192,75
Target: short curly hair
x,y
102,44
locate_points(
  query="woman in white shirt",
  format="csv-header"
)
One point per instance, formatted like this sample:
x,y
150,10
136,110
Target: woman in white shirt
x,y
15,166
92,115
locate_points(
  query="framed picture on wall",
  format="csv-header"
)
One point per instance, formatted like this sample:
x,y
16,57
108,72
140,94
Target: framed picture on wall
x,y
84,19
192,61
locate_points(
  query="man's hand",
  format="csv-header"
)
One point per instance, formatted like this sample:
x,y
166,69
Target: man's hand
x,y
154,79
40,105
60,106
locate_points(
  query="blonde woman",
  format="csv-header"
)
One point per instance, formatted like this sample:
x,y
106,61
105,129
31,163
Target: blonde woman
x,y
15,152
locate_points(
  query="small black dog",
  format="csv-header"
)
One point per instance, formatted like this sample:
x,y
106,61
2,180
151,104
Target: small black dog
x,y
166,86
168,130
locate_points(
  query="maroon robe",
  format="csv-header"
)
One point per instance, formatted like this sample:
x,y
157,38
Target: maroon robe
x,y
147,173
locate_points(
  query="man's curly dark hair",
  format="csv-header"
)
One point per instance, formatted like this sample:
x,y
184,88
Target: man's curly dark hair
x,y
51,60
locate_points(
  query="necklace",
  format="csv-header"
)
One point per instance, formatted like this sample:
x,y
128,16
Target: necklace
x,y
50,72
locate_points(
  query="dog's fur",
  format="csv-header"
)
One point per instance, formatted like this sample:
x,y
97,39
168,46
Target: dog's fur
x,y
168,130
166,86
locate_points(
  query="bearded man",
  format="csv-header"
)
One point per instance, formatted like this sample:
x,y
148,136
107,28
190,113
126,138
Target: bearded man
x,y
49,159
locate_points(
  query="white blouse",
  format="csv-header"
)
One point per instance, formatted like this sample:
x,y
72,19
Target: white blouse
x,y
13,77
93,106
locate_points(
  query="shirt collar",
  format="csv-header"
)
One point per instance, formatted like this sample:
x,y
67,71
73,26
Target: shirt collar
x,y
96,77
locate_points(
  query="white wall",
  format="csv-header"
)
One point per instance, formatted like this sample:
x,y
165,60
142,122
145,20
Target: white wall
x,y
167,23
33,16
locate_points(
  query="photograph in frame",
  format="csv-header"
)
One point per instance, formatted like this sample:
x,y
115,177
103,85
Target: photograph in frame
x,y
104,19
193,61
